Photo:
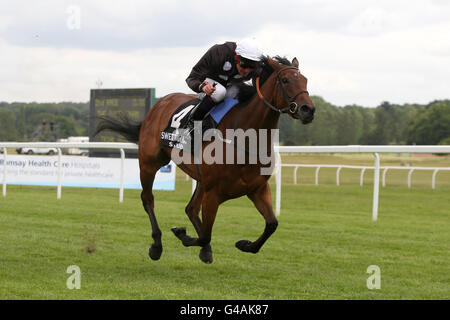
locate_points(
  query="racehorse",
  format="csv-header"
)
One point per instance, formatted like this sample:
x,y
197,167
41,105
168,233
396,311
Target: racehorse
x,y
280,88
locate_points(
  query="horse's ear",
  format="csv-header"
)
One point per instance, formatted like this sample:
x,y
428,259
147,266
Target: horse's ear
x,y
295,62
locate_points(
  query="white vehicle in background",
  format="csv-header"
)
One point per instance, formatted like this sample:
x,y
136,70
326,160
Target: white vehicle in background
x,y
49,151
76,151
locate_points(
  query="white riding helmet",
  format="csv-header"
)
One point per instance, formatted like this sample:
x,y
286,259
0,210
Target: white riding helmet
x,y
249,48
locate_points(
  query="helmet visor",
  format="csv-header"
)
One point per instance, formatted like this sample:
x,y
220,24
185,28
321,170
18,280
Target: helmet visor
x,y
246,63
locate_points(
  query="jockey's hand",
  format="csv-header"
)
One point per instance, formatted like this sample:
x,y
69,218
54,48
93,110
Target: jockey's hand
x,y
209,89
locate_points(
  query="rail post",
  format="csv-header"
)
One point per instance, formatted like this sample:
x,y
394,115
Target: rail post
x,y
361,178
384,176
317,176
295,174
58,188
376,187
122,166
433,179
4,171
338,172
409,177
278,183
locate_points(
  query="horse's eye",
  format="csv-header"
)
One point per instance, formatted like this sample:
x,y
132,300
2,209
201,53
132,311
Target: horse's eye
x,y
285,80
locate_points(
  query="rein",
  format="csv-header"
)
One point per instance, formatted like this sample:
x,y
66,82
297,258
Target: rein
x,y
292,105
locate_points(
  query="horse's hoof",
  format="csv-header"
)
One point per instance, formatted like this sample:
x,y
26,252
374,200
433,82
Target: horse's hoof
x,y
246,246
179,232
206,254
155,252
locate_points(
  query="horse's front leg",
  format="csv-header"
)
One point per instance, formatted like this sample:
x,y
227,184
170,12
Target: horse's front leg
x,y
263,202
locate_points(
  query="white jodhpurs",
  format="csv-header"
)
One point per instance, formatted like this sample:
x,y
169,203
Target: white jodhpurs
x,y
221,92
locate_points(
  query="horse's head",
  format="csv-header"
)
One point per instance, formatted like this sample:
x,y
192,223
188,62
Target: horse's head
x,y
292,96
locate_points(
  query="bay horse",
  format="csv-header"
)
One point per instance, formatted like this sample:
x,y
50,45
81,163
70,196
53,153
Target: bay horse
x,y
281,88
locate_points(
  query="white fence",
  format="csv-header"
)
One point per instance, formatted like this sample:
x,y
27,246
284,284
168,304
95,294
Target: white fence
x,y
63,145
363,169
278,149
352,149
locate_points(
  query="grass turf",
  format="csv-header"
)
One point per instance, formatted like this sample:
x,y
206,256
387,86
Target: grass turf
x,y
321,250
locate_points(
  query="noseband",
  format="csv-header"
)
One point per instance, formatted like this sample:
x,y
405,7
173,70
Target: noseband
x,y
292,105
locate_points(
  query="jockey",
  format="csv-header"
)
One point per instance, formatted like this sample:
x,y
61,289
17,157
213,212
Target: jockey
x,y
220,68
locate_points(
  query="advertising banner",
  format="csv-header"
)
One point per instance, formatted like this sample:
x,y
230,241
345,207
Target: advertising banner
x,y
79,171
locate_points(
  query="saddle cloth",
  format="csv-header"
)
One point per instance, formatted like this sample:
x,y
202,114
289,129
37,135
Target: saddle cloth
x,y
175,137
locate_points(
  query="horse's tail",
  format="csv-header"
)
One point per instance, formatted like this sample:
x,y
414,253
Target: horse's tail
x,y
125,126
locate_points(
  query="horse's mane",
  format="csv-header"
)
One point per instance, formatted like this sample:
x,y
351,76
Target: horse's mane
x,y
266,70
246,92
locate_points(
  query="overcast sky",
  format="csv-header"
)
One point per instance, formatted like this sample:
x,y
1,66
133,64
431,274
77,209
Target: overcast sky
x,y
352,52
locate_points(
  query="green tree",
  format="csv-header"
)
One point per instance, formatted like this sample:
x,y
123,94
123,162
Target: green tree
x,y
431,126
8,131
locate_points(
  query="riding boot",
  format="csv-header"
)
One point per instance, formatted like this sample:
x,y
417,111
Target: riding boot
x,y
200,111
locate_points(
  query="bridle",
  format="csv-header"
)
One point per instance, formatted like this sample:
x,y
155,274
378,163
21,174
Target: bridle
x,y
292,105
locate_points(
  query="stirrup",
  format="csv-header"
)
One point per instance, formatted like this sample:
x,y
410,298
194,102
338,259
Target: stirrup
x,y
190,126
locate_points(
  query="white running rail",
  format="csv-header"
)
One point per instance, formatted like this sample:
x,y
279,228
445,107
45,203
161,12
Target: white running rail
x,y
278,149
363,170
354,149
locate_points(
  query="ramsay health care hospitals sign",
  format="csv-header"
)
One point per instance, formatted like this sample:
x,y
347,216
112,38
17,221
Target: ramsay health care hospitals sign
x,y
80,172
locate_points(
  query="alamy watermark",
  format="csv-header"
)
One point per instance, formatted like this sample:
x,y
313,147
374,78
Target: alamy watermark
x,y
73,21
374,281
246,147
74,280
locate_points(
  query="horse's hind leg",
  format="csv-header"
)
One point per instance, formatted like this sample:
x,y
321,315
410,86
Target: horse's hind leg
x,y
263,202
193,208
209,206
147,178
192,211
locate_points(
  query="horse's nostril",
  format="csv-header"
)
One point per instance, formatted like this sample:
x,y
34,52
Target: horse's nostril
x,y
305,109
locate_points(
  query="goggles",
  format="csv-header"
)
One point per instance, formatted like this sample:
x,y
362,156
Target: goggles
x,y
246,63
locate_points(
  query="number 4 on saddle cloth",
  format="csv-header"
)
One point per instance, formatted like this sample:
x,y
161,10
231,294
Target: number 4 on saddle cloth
x,y
176,135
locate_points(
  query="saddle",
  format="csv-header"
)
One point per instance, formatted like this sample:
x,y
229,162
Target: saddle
x,y
176,136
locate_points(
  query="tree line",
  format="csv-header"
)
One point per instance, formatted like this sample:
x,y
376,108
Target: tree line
x,y
386,124
43,121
